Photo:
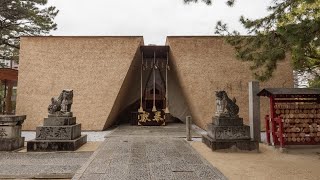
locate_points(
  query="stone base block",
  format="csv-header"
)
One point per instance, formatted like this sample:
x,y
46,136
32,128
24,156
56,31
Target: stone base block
x,y
227,121
56,145
60,114
12,120
11,144
59,121
10,132
247,145
58,132
228,132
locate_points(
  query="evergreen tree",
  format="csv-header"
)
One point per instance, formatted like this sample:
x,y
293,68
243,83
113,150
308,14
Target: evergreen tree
x,y
23,18
291,29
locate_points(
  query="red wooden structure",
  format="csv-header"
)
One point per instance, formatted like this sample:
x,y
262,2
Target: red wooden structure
x,y
9,78
294,116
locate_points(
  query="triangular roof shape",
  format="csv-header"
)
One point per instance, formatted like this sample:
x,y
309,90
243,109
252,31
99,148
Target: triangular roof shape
x,y
290,92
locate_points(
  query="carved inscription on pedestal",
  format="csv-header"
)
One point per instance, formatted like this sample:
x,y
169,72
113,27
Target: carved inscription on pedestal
x,y
3,133
232,133
54,133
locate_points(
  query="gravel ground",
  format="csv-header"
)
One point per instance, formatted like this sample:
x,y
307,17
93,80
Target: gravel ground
x,y
269,163
41,165
47,165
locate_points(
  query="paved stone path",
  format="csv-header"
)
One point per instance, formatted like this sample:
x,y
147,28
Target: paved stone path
x,y
172,130
133,152
40,164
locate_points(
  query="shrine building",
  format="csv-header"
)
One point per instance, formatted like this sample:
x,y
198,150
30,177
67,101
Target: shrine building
x,y
119,79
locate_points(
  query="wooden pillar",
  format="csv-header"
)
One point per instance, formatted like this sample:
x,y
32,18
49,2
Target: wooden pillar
x,y
4,97
1,98
8,107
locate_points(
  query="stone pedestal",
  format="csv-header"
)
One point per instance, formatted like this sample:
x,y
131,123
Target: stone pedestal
x,y
10,132
229,132
58,133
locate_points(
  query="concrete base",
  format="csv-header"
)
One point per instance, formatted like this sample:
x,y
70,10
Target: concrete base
x,y
10,144
56,145
247,145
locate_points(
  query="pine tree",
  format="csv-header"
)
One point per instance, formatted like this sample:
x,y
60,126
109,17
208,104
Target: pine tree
x,y
23,18
291,29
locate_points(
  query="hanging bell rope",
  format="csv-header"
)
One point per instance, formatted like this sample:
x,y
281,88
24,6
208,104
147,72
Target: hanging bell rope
x,y
140,110
154,109
167,103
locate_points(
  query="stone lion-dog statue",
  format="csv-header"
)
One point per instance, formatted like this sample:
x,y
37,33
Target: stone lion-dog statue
x,y
225,106
62,104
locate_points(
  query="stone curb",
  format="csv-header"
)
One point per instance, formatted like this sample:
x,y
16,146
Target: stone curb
x,y
39,176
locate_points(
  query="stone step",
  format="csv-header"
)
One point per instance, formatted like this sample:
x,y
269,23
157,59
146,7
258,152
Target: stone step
x,y
59,121
58,132
248,145
10,144
227,121
66,114
228,132
56,145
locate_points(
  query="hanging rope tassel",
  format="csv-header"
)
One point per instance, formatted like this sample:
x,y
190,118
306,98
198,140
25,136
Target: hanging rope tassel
x,y
140,110
167,103
154,109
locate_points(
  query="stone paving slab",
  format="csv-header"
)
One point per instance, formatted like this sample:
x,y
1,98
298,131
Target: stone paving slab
x,y
132,152
171,130
40,165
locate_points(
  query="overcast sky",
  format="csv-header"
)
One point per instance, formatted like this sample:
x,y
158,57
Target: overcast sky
x,y
152,19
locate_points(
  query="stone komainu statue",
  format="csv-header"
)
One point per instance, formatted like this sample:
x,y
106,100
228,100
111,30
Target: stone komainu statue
x,y
226,106
63,103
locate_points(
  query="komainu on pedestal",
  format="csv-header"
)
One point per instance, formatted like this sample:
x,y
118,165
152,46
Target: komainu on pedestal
x,y
59,132
227,131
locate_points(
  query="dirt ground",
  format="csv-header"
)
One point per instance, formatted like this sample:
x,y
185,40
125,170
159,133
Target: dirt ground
x,y
296,164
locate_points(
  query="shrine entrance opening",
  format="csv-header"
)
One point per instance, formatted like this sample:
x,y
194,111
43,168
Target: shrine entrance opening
x,y
153,90
153,105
